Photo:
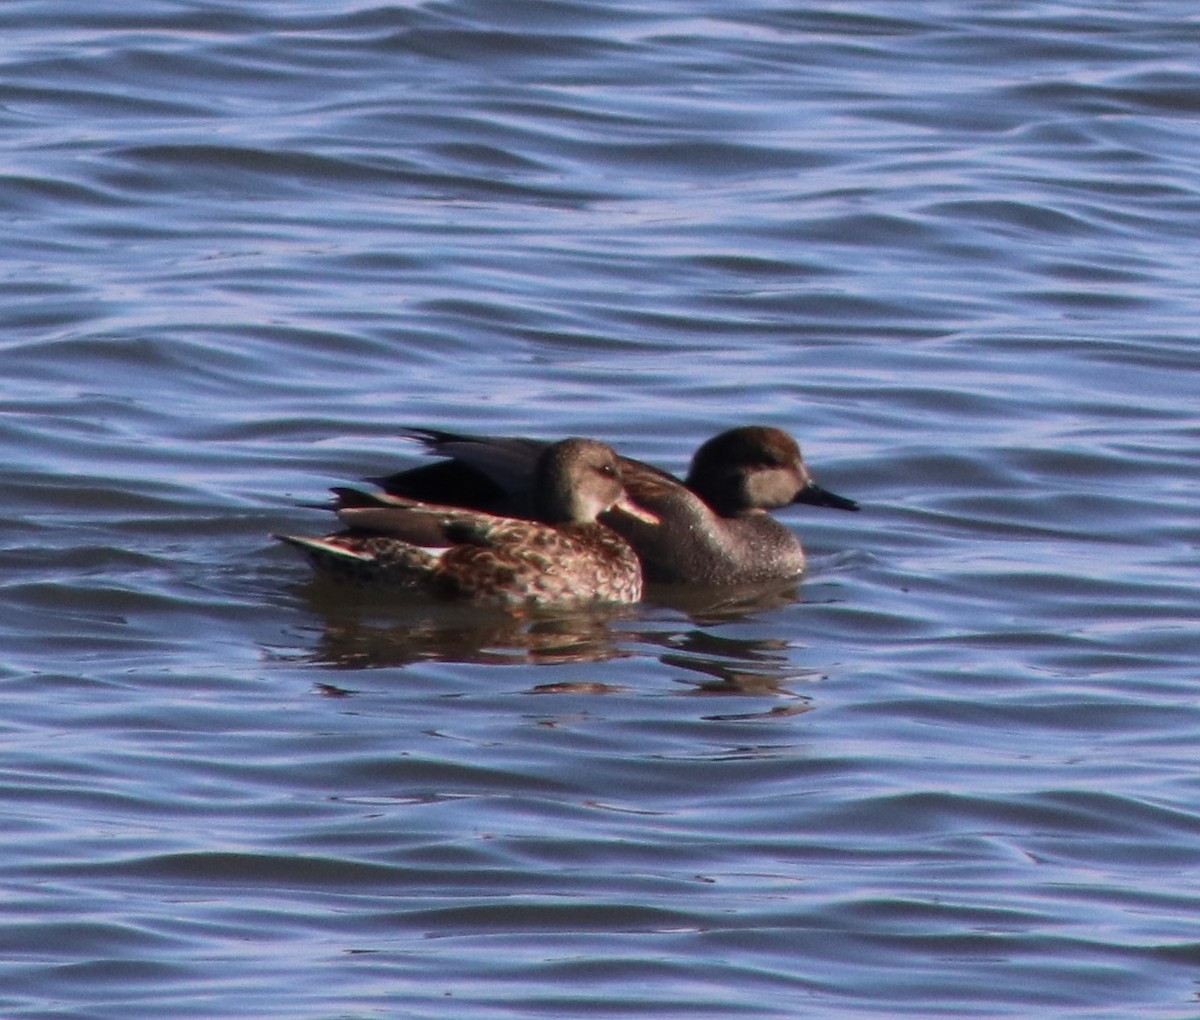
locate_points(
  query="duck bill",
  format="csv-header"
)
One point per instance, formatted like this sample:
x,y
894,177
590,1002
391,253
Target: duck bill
x,y
814,495
629,508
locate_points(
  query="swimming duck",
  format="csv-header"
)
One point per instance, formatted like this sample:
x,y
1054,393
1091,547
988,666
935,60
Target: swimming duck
x,y
713,528
565,555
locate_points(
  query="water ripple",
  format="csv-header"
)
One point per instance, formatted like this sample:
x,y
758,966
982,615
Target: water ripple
x,y
953,251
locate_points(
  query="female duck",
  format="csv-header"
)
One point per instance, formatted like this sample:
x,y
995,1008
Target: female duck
x,y
565,555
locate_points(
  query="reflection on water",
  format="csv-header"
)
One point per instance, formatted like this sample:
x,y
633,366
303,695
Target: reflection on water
x,y
947,245
361,630
724,604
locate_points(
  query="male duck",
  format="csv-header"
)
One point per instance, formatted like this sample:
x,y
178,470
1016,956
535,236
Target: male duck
x,y
565,555
714,528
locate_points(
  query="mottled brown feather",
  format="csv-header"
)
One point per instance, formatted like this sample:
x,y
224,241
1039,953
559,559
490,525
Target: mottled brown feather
x,y
485,558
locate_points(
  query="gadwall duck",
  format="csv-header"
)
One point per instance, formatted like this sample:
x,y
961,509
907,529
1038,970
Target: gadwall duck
x,y
565,555
714,528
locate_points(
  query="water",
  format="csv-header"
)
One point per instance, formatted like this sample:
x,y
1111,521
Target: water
x,y
951,246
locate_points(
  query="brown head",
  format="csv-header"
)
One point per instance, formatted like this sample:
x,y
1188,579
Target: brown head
x,y
576,480
756,468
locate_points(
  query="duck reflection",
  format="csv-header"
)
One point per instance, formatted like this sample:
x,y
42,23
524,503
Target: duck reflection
x,y
723,603
356,634
723,664
680,628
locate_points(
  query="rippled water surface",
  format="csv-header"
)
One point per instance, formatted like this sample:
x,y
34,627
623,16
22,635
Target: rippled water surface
x,y
953,247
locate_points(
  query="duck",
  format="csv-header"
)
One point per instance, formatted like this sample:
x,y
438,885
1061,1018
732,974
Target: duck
x,y
713,528
560,554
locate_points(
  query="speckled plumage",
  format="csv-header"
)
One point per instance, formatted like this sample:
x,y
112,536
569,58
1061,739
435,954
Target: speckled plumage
x,y
566,556
714,528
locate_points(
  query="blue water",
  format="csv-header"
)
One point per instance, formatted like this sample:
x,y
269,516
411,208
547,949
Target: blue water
x,y
952,247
